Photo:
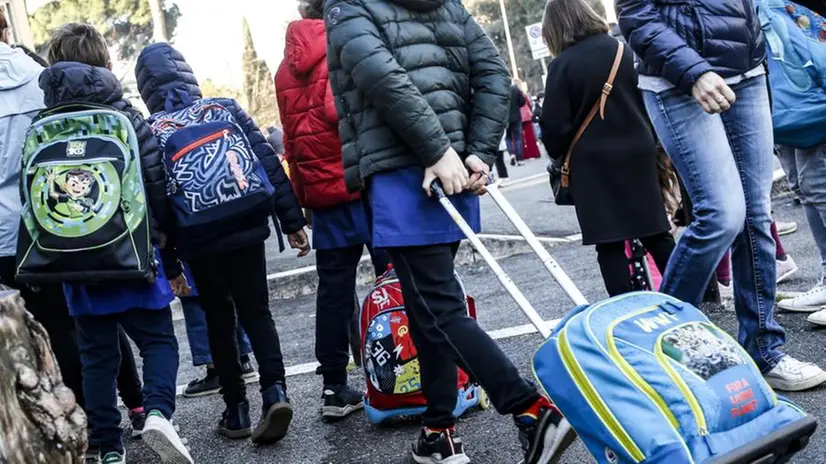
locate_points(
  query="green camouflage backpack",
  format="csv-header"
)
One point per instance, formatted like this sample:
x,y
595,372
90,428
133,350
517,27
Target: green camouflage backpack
x,y
85,217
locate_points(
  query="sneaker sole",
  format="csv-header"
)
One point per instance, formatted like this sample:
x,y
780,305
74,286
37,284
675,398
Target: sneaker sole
x,y
252,377
163,444
563,438
802,385
136,434
787,275
235,434
335,412
799,309
199,394
818,322
274,425
781,233
455,459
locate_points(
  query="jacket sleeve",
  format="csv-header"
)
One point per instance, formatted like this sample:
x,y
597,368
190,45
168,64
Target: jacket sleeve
x,y
154,179
557,122
355,41
658,45
286,204
490,83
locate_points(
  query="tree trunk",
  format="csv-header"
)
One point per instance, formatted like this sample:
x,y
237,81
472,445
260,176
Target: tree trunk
x,y
40,422
158,21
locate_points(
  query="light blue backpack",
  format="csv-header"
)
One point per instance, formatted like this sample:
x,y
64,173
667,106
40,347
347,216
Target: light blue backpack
x,y
645,378
796,55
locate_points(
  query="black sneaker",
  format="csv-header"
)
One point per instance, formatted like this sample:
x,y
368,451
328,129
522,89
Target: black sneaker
x,y
137,420
340,401
92,455
205,386
546,438
443,447
276,415
248,372
235,421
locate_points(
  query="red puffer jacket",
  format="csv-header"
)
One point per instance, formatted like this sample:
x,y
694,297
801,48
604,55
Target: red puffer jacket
x,y
308,114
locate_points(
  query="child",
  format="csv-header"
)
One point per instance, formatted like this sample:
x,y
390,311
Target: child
x,y
403,122
231,270
80,72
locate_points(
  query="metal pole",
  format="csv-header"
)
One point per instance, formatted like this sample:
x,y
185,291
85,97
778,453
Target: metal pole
x,y
508,40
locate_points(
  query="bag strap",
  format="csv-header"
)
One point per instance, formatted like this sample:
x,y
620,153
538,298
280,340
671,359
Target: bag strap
x,y
598,106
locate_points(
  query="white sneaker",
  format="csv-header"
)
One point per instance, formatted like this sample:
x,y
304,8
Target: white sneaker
x,y
793,375
818,318
160,435
785,268
808,302
726,291
785,228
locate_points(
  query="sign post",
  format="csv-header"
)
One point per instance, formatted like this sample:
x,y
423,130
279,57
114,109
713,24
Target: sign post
x,y
539,50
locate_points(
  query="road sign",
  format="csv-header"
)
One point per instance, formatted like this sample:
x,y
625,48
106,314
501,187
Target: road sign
x,y
538,48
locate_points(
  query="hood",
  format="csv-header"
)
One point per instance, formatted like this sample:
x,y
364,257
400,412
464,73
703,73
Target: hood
x,y
306,45
419,5
165,80
16,68
67,82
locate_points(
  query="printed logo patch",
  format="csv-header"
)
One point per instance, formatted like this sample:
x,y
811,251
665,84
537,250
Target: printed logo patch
x,y
76,148
333,15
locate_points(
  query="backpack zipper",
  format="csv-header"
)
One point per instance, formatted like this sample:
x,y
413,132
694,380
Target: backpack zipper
x,y
203,140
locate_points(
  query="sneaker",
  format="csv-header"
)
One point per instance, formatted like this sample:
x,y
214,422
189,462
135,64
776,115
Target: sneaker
x,y
785,268
248,372
785,228
808,302
92,455
439,447
818,318
726,291
545,437
340,401
276,415
162,438
205,386
793,375
235,421
113,457
138,419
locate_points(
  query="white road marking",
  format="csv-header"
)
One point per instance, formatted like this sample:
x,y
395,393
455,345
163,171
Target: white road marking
x,y
500,334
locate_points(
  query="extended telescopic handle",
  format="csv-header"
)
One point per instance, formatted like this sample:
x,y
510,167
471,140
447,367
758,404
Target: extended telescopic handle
x,y
504,279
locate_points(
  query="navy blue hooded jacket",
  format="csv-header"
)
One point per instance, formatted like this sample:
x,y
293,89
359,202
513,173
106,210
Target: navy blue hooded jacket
x,y
681,40
167,83
70,82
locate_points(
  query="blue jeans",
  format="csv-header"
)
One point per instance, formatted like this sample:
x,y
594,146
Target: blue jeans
x,y
725,162
806,172
152,332
196,333
514,140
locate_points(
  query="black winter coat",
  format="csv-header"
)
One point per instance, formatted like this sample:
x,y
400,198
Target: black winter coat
x,y
70,82
412,78
167,83
614,165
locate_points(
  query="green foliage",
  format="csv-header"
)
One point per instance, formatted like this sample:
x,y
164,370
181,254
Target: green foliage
x,y
126,24
521,13
259,88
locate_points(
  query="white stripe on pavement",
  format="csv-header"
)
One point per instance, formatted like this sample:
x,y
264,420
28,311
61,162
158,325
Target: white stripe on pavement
x,y
507,332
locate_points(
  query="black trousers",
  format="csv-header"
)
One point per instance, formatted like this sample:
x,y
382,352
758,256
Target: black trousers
x,y
445,336
613,263
48,306
501,166
334,307
233,283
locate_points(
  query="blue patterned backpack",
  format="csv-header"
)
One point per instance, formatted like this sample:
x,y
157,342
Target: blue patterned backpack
x,y
214,176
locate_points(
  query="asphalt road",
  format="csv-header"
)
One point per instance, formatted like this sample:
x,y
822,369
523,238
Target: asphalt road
x,y
489,438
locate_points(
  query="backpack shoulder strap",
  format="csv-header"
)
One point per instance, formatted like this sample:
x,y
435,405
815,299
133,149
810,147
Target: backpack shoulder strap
x,y
599,106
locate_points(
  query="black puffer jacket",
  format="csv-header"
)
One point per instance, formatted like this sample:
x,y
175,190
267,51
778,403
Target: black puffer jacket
x,y
411,78
167,83
70,82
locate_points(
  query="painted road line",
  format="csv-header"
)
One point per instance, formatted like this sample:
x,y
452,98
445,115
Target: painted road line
x,y
500,334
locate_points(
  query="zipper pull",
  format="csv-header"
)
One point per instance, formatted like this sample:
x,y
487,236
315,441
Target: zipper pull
x,y
226,133
670,307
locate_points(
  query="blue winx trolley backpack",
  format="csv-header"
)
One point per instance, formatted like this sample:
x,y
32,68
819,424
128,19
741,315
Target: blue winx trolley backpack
x,y
646,378
214,176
